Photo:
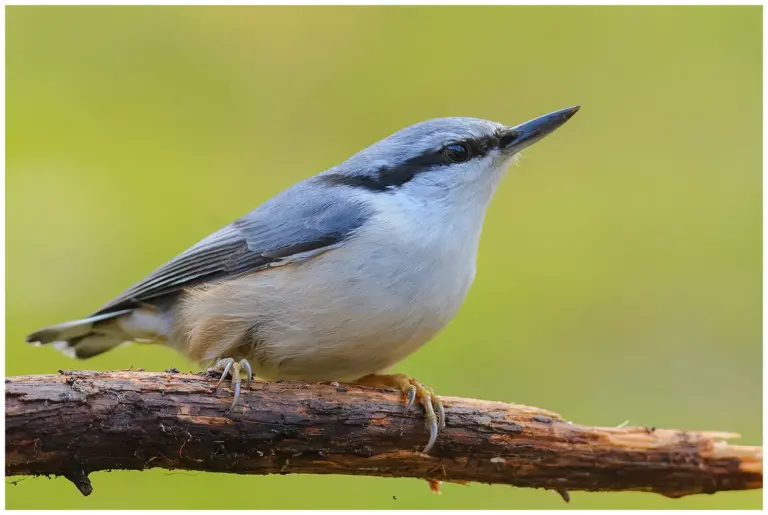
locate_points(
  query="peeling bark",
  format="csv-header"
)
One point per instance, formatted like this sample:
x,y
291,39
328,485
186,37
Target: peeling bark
x,y
78,422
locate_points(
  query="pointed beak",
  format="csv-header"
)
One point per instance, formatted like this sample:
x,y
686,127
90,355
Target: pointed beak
x,y
514,139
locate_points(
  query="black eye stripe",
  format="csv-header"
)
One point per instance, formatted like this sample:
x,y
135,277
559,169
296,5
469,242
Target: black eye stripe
x,y
479,147
388,178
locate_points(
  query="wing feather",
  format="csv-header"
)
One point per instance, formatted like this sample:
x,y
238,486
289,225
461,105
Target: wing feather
x,y
293,223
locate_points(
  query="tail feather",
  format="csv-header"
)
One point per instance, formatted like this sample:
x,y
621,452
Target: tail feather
x,y
83,338
90,345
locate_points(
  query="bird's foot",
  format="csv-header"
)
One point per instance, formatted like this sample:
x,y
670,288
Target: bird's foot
x,y
234,368
413,390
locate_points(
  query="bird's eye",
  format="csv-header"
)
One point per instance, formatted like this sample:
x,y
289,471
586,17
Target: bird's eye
x,y
456,153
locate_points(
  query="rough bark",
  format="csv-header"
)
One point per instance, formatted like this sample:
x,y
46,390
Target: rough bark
x,y
75,423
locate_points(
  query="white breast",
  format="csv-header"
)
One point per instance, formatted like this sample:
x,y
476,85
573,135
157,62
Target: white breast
x,y
365,306
354,310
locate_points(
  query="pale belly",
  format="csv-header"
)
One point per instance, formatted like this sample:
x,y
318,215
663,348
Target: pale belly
x,y
360,324
331,318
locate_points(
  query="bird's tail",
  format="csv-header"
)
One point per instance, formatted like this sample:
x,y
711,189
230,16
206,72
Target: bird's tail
x,y
87,337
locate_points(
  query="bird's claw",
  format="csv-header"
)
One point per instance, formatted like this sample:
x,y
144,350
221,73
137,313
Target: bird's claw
x,y
440,412
433,406
230,366
410,397
227,363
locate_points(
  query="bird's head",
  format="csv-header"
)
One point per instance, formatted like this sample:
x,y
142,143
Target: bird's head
x,y
437,157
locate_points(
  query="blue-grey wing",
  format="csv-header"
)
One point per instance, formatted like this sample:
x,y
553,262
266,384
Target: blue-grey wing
x,y
293,223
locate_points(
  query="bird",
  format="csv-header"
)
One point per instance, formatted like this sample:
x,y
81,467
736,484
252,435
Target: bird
x,y
337,278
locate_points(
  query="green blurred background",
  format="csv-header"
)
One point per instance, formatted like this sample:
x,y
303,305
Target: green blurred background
x,y
619,274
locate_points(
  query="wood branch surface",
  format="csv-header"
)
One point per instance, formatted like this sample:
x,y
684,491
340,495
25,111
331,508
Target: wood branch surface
x,y
79,422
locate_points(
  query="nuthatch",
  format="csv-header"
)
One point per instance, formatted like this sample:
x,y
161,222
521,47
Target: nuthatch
x,y
337,278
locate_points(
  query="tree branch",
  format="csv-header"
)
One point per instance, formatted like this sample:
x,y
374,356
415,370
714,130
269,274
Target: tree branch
x,y
76,423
